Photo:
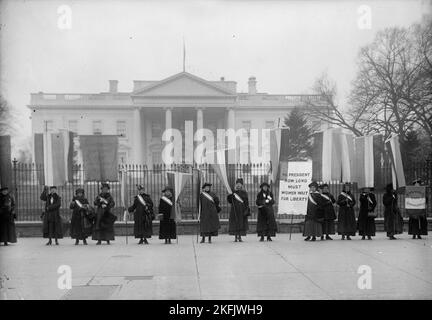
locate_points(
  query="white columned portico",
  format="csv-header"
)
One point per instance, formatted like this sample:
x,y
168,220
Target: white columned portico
x,y
137,136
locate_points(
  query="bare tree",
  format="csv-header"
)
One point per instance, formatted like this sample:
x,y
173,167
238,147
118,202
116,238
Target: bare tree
x,y
6,117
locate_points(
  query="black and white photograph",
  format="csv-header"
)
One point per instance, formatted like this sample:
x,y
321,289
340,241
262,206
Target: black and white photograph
x,y
228,152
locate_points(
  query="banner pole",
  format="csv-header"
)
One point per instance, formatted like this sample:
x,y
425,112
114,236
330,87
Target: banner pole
x,y
292,218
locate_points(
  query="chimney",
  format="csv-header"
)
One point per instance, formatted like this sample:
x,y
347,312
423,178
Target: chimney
x,y
252,85
113,86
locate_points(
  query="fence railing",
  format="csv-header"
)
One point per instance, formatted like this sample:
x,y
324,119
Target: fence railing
x,y
27,187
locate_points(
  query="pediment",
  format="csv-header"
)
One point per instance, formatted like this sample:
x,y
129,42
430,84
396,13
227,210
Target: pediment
x,y
183,84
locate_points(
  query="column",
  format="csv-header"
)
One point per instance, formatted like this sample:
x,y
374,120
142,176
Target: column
x,y
137,136
231,125
168,118
200,118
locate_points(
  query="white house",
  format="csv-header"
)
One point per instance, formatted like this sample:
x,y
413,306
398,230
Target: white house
x,y
139,117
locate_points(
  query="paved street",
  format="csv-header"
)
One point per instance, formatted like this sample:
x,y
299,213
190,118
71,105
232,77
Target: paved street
x,y
282,269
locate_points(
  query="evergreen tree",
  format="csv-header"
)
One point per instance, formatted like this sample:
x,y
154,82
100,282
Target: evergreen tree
x,y
299,137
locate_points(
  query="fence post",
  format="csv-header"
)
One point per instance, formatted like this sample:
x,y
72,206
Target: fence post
x,y
15,182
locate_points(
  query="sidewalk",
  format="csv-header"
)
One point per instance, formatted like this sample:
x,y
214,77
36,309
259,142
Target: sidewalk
x,y
282,269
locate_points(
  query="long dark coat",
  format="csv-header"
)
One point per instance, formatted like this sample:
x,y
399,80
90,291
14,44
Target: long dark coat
x,y
209,219
347,225
314,216
81,224
266,222
143,216
393,222
52,222
167,227
238,218
418,225
103,229
7,219
366,224
328,224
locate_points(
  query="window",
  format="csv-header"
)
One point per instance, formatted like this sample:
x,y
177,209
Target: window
x,y
247,126
269,124
48,125
121,129
73,126
156,130
97,127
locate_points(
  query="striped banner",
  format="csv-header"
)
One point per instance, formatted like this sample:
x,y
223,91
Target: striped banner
x,y
275,149
220,168
393,150
5,162
54,152
327,155
177,181
348,161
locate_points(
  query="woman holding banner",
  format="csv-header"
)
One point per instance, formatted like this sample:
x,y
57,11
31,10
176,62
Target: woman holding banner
x,y
104,226
266,222
81,226
417,223
52,222
393,222
142,208
366,218
167,227
346,218
7,217
314,214
209,219
238,218
328,225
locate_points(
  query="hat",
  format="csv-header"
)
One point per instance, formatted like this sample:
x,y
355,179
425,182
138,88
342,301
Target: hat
x,y
324,185
140,186
264,184
3,188
105,185
53,187
239,180
389,187
313,184
79,190
167,188
417,181
206,184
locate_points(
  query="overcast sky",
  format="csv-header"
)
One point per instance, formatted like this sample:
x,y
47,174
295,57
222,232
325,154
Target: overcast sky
x,y
284,44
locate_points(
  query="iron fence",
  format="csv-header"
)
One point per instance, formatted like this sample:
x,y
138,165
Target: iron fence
x,y
27,187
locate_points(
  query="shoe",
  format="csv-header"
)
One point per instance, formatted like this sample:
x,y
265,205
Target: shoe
x,y
348,238
363,238
307,239
166,241
261,239
313,239
209,239
328,237
235,240
56,242
49,243
142,241
269,239
5,243
85,242
240,239
108,242
343,238
414,236
419,237
369,238
392,238
169,241
145,241
202,240
76,242
322,237
98,243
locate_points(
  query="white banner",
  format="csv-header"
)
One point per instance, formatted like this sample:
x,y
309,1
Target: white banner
x,y
293,188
